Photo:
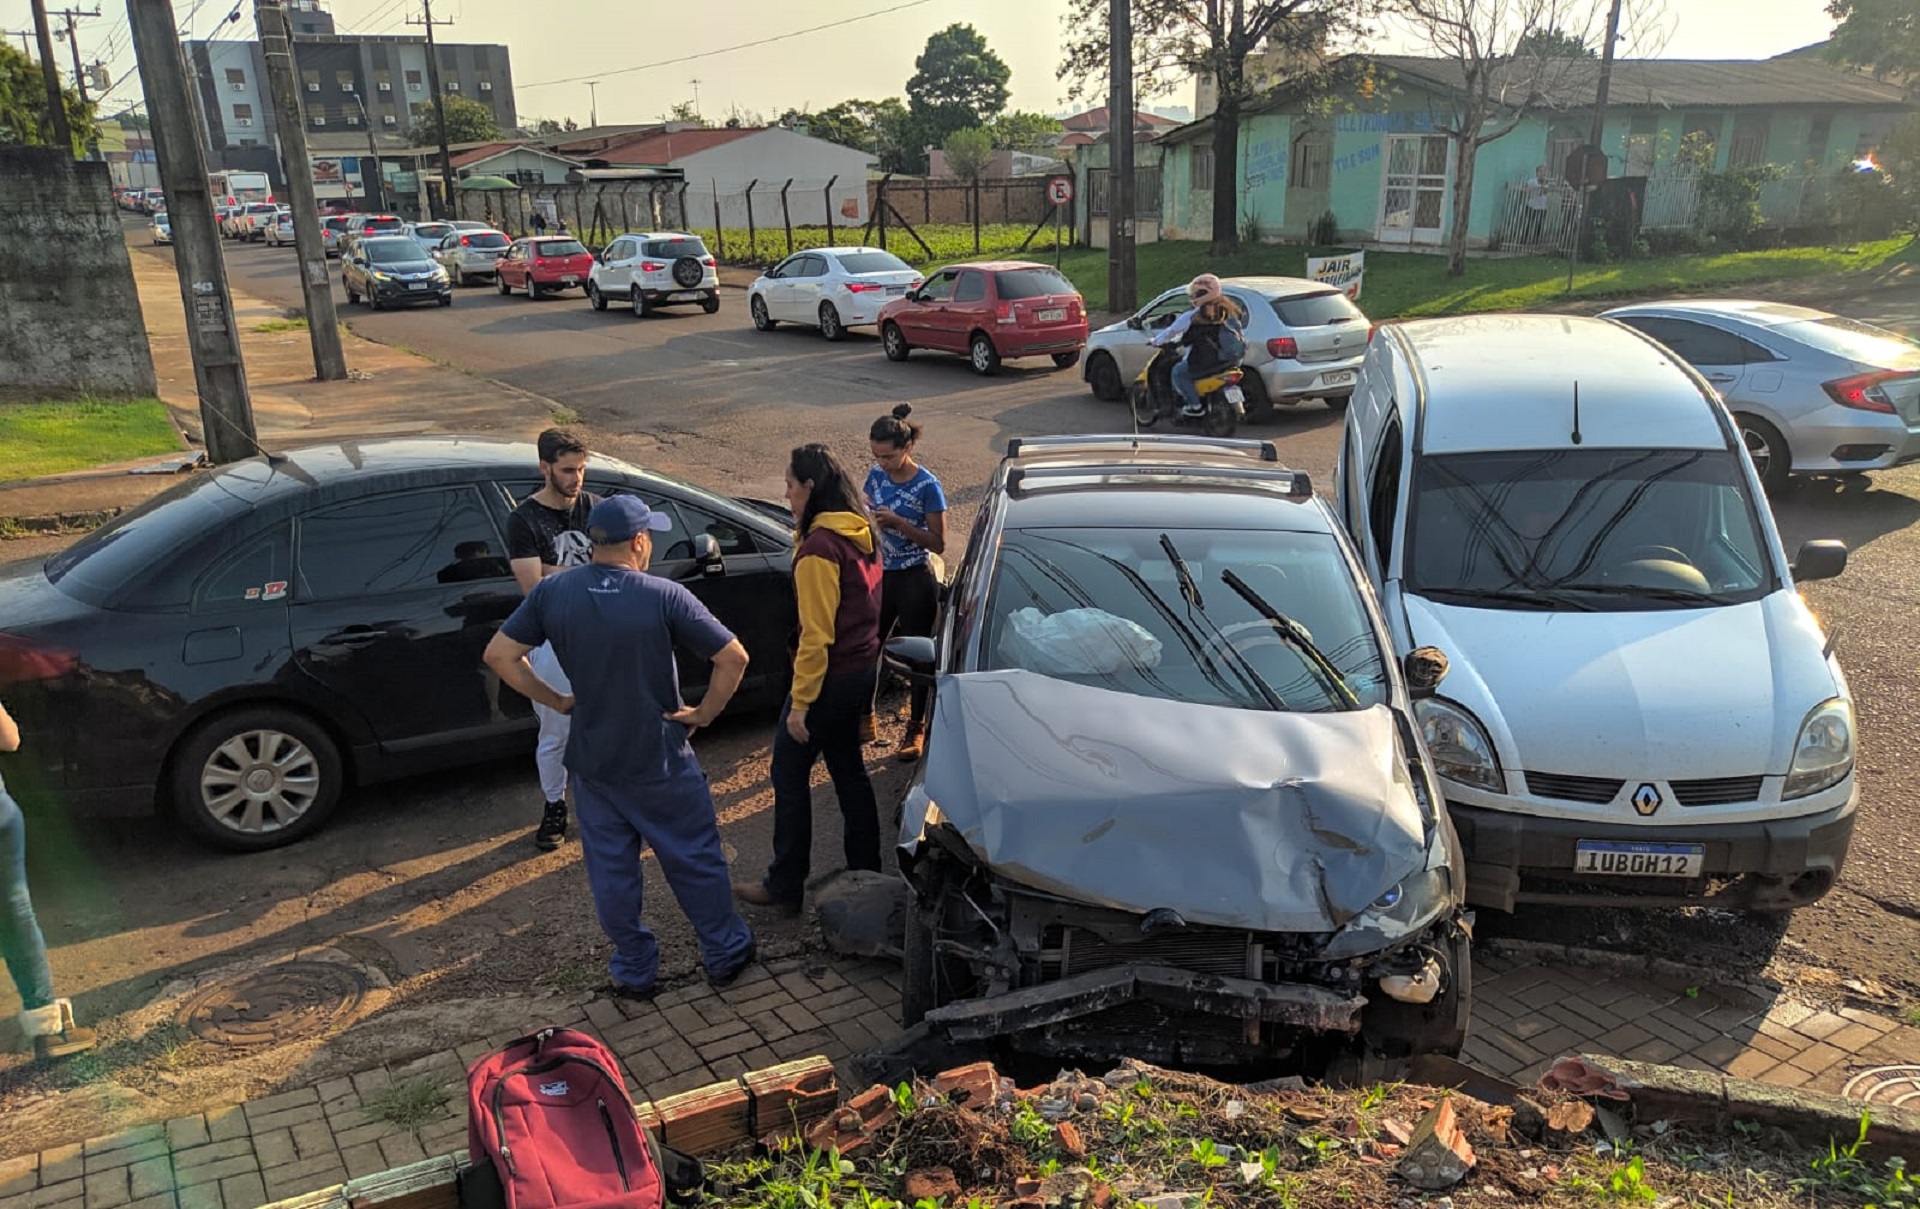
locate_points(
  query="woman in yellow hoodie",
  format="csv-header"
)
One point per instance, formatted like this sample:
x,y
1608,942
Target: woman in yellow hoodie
x,y
836,650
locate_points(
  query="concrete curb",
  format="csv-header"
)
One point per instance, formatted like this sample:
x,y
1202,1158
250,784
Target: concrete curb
x,y
1541,952
59,522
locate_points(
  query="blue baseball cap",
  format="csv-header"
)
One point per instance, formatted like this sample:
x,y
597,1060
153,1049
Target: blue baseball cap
x,y
619,519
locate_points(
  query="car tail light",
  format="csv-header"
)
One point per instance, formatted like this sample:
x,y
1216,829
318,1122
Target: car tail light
x,y
709,262
539,260
465,242
647,266
22,659
863,287
1003,313
1864,392
1286,348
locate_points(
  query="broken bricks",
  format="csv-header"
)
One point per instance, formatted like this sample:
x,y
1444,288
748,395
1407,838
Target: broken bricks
x,y
1439,1156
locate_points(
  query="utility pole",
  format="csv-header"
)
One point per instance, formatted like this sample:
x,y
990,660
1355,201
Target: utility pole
x,y
79,73
439,106
593,102
26,40
1120,264
323,326
1605,82
377,192
59,133
696,98
226,411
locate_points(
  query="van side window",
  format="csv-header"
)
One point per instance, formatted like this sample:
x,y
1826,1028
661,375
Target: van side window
x,y
1350,494
1383,493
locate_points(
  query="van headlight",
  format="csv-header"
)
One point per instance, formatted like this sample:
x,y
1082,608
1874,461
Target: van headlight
x,y
1823,752
1461,750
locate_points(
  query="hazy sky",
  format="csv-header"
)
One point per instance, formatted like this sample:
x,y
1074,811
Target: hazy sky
x,y
871,57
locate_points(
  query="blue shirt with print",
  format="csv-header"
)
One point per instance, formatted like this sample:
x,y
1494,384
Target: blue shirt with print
x,y
614,630
912,501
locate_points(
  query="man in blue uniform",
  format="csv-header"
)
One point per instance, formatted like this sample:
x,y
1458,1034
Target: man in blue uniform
x,y
635,779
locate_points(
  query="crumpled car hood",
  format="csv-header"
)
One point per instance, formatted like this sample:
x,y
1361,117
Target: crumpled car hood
x,y
1237,818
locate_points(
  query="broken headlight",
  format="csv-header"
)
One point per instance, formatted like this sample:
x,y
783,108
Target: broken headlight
x,y
1407,908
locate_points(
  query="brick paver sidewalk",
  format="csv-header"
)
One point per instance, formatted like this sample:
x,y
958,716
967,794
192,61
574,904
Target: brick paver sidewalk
x,y
243,1156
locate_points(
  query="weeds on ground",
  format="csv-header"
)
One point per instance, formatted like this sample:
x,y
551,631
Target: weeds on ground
x,y
282,325
1910,1015
1841,1171
409,1105
573,977
565,415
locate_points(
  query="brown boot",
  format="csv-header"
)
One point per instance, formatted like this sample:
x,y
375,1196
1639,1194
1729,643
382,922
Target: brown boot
x,y
913,745
869,728
53,1031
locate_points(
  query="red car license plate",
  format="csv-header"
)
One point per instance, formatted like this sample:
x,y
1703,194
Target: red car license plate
x,y
1054,316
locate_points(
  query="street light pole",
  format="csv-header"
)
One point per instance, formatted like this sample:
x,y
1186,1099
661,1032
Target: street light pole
x,y
377,193
213,336
593,102
1120,260
439,106
61,134
323,325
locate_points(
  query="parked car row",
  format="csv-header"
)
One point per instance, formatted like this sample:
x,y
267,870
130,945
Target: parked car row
x,y
140,201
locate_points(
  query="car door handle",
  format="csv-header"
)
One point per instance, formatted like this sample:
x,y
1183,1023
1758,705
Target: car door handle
x,y
354,635
1721,377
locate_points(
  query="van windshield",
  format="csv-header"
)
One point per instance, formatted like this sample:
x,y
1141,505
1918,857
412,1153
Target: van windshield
x,y
1590,530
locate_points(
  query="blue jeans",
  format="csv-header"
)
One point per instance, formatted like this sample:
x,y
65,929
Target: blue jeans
x,y
676,819
21,944
1183,384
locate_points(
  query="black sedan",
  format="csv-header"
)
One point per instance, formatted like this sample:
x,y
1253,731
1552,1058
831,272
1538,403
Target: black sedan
x,y
252,641
393,270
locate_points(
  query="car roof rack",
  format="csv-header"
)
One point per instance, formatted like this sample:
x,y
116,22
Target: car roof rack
x,y
1266,451
1021,478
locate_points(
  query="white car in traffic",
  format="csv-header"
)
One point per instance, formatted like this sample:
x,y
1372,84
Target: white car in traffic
x,y
830,288
654,269
278,231
466,253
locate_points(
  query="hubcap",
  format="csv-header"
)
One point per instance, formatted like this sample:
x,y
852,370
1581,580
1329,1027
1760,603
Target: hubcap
x,y
259,781
829,320
759,312
1757,448
979,355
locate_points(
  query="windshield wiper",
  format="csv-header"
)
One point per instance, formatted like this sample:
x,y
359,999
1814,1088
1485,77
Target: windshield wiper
x,y
1532,598
1290,630
1190,592
1651,592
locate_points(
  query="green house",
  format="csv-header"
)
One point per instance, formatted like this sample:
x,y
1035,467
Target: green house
x,y
1371,151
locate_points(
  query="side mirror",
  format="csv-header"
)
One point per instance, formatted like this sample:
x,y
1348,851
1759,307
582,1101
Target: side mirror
x,y
1133,321
1819,560
706,552
1425,668
772,269
911,657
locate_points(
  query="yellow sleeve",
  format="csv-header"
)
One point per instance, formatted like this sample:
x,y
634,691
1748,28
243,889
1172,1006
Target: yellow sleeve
x,y
816,585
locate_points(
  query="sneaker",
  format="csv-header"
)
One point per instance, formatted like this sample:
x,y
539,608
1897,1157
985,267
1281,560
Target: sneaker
x,y
912,746
553,827
721,982
54,1033
869,728
757,894
1193,413
645,994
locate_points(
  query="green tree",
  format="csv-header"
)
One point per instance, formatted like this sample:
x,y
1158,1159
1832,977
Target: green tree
x,y
1022,131
1898,157
1220,39
880,128
23,105
467,122
1882,36
968,153
552,125
685,112
1553,43
957,82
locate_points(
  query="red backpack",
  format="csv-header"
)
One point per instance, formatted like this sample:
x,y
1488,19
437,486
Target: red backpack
x,y
550,1118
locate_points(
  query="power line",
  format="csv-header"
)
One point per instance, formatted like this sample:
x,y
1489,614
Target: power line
x,y
708,54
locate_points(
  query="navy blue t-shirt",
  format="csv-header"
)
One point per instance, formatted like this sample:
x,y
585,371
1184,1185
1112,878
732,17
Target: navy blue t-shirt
x,y
614,630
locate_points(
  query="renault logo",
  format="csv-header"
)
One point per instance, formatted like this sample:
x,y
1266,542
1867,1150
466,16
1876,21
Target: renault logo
x,y
1646,799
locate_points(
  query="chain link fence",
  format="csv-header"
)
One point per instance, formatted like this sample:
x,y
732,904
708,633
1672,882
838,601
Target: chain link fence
x,y
1676,206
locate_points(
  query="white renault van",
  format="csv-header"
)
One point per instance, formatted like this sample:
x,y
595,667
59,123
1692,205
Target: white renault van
x,y
1641,708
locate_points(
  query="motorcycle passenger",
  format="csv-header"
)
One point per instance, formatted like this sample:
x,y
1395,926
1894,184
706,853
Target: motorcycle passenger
x,y
1211,332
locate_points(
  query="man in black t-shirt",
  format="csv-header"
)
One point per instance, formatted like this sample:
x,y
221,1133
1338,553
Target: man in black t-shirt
x,y
547,534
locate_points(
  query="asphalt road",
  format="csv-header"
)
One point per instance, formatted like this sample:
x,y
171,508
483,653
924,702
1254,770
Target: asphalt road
x,y
434,882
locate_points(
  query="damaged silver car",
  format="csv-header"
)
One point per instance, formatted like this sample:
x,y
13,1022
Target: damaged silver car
x,y
1174,803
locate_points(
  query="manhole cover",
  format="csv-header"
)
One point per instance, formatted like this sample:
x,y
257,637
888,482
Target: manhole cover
x,y
289,1002
1885,1085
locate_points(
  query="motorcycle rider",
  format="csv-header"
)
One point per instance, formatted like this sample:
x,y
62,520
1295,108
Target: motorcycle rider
x,y
1211,332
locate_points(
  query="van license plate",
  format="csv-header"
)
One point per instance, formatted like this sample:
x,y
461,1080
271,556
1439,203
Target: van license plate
x,y
1053,316
1236,395
1338,377
1639,860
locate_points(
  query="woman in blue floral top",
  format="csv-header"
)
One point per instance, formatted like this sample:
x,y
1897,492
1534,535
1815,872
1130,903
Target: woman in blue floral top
x,y
910,510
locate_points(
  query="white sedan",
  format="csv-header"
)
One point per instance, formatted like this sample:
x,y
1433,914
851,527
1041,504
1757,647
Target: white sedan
x,y
830,288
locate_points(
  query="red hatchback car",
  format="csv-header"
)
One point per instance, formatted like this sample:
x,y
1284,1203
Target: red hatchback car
x,y
543,262
989,312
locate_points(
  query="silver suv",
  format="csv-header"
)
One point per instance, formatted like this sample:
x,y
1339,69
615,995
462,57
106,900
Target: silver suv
x,y
654,270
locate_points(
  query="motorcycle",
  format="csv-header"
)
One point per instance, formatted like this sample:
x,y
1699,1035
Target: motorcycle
x,y
1155,399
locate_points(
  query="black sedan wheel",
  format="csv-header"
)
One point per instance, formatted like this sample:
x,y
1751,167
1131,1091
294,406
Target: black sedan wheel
x,y
1772,460
256,778
1103,378
594,296
757,307
894,341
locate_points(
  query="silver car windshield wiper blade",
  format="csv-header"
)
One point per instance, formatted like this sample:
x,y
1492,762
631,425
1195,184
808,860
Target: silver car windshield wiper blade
x,y
1534,598
1651,592
1291,630
1190,592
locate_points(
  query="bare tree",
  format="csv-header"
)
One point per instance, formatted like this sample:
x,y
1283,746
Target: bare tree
x,y
1225,40
1507,69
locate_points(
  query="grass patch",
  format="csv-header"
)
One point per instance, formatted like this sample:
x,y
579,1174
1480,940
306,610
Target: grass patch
x,y
565,415
410,1105
282,325
50,438
1409,284
1910,1015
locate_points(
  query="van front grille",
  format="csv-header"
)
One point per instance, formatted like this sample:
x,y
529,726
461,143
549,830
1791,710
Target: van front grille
x,y
1716,791
1595,791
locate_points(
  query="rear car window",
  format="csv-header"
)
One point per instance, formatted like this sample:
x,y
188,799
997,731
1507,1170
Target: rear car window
x,y
263,209
1032,283
104,564
559,247
1317,310
334,224
1856,341
485,239
432,230
674,249
384,224
873,262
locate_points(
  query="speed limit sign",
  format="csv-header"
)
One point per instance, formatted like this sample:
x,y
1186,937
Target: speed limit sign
x,y
1060,190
